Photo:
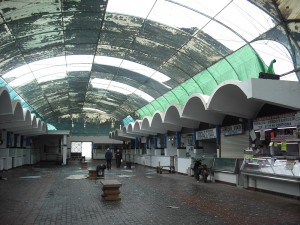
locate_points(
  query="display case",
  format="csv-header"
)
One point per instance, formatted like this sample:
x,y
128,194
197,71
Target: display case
x,y
272,174
284,168
228,165
226,170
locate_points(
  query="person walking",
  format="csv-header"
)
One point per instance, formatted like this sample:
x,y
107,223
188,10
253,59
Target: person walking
x,y
118,158
108,157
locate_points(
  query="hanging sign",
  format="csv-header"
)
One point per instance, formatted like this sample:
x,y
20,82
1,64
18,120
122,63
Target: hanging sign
x,y
206,134
268,122
232,130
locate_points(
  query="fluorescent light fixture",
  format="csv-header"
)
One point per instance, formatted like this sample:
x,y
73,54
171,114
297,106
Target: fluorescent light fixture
x,y
94,110
267,129
282,128
119,87
257,131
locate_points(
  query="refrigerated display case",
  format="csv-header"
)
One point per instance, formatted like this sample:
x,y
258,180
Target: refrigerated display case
x,y
276,174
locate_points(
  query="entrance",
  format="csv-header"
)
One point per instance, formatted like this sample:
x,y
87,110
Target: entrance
x,y
79,149
87,149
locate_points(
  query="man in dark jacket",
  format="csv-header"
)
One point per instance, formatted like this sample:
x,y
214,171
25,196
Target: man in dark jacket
x,y
108,157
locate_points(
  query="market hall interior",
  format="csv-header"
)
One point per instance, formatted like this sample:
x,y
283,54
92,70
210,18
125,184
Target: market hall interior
x,y
170,85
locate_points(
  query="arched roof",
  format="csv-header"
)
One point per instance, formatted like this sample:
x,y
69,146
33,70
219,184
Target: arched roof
x,y
79,64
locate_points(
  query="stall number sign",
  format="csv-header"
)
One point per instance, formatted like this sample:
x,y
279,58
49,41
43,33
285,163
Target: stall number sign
x,y
232,130
285,120
206,134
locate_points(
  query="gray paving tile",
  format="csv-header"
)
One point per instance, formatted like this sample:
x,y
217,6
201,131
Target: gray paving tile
x,y
146,198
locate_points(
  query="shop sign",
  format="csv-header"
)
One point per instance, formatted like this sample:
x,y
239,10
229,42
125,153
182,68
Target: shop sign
x,y
280,138
206,134
232,130
269,122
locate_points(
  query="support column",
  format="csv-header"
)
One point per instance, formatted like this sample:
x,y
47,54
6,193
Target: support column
x,y
178,139
250,128
155,142
218,140
194,137
65,149
147,142
165,140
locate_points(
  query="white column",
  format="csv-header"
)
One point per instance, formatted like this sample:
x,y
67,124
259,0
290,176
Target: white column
x,y
65,149
157,152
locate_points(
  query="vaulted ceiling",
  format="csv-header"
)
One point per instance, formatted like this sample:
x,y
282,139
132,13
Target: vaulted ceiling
x,y
84,65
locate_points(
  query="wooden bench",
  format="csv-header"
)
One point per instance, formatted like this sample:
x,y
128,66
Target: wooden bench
x,y
93,175
111,190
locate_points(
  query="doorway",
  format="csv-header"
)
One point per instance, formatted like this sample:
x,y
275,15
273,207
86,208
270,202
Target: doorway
x,y
87,149
82,149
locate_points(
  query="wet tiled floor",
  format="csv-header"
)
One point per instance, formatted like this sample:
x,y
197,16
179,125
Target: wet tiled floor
x,y
57,195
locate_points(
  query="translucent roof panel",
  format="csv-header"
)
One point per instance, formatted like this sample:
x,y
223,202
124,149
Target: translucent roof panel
x,y
270,50
86,65
240,65
245,19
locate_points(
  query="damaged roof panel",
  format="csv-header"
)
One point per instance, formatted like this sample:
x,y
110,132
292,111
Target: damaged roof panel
x,y
176,40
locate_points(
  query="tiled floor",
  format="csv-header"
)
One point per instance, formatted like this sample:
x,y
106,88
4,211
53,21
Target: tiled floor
x,y
50,194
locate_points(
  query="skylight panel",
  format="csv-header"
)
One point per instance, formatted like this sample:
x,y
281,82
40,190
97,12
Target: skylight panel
x,y
79,67
246,19
45,63
176,16
223,35
18,72
146,71
269,50
144,95
210,8
132,66
21,81
119,87
94,110
49,71
130,7
109,61
79,59
51,77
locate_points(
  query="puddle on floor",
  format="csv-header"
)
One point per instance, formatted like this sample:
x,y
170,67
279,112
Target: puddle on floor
x,y
31,177
126,176
76,177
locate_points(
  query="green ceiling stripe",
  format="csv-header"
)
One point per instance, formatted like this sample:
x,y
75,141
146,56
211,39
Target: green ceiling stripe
x,y
240,65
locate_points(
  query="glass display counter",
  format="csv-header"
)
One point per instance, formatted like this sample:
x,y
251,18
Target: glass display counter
x,y
284,168
281,175
228,165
